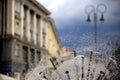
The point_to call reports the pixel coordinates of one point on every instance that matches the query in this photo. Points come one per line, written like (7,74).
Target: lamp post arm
(90,9)
(101,8)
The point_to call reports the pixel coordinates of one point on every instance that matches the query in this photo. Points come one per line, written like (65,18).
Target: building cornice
(41,7)
(25,43)
(54,30)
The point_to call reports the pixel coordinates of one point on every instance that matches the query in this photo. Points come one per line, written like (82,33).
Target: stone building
(54,47)
(25,36)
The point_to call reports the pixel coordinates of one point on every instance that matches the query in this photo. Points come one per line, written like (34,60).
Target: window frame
(17,6)
(17,50)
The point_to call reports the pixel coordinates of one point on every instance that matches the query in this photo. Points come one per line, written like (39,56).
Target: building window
(44,27)
(17,6)
(44,32)
(24,31)
(38,30)
(31,26)
(17,26)
(38,39)
(17,50)
(17,29)
(31,20)
(31,35)
(38,56)
(38,23)
(43,40)
(25,15)
(25,54)
(25,23)
(32,55)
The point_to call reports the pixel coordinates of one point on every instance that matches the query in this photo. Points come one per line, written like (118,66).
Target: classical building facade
(27,36)
(54,46)
(54,41)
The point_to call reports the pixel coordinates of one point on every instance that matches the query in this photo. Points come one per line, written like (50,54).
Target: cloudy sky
(74,31)
(65,11)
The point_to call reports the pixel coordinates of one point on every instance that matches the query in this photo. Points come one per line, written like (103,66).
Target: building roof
(41,7)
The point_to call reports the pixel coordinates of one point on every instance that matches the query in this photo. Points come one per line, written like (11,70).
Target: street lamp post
(90,9)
